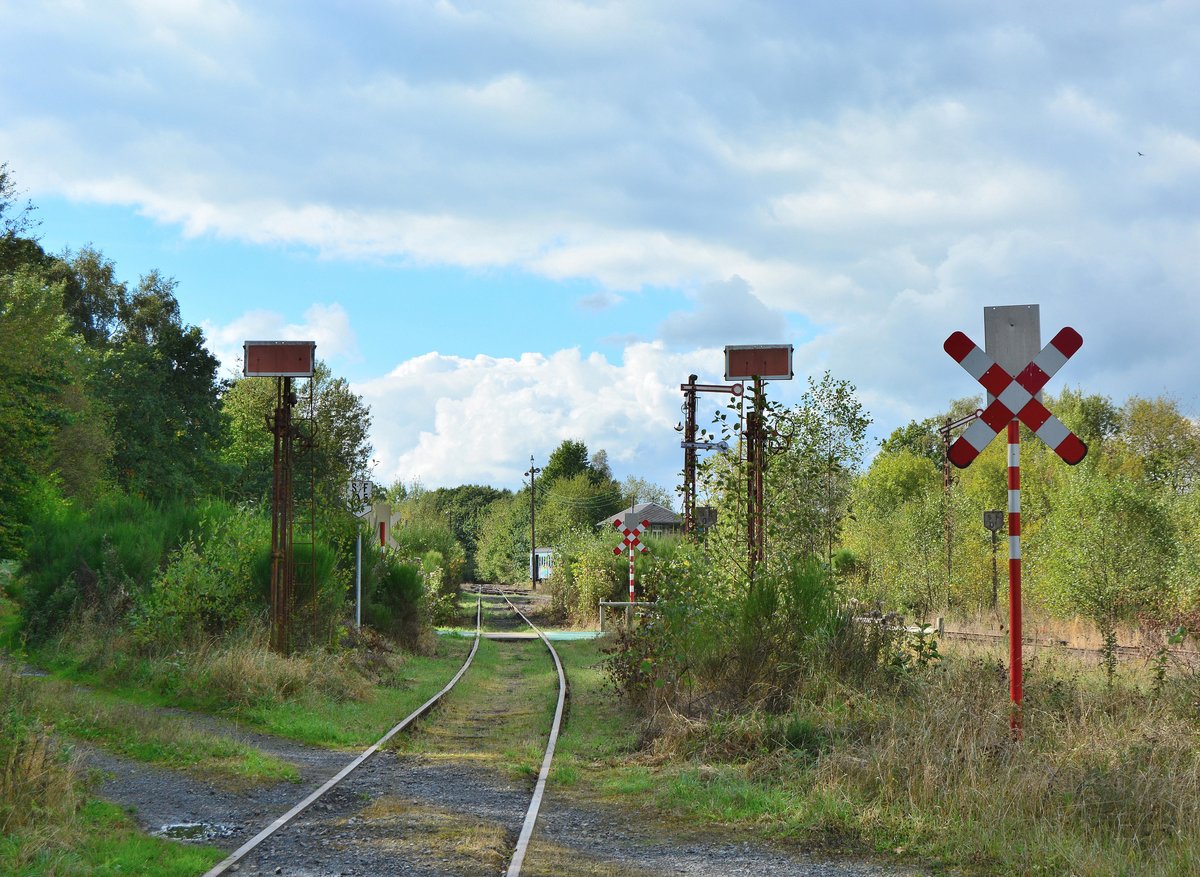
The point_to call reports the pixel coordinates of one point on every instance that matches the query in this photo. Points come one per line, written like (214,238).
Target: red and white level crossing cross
(631,541)
(1015,397)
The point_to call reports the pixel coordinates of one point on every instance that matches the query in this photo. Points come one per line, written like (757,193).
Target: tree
(463,509)
(567,460)
(36,349)
(1158,445)
(812,452)
(247,454)
(894,479)
(160,382)
(1107,552)
(574,505)
(503,550)
(16,220)
(93,297)
(635,489)
(828,431)
(340,422)
(343,427)
(919,438)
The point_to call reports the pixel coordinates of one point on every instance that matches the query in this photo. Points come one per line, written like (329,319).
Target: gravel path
(429,816)
(415,816)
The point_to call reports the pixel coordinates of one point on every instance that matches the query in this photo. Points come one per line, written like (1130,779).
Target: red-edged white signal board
(1015,397)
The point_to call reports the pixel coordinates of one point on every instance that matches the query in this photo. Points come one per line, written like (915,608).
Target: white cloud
(448,420)
(878,178)
(725,313)
(328,325)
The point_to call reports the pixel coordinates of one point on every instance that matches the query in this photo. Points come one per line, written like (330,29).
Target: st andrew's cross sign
(631,541)
(1015,397)
(1015,401)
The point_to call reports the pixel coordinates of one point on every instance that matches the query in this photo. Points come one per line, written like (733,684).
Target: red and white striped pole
(1014,574)
(632,598)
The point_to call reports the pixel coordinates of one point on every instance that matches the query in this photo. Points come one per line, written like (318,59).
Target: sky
(511,223)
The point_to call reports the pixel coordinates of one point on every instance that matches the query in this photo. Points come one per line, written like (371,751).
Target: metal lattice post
(689,458)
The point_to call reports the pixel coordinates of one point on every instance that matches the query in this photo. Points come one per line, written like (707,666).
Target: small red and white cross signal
(1015,397)
(631,540)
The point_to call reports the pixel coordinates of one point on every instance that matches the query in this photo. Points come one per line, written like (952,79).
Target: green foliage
(36,354)
(417,540)
(247,454)
(463,509)
(719,643)
(99,560)
(584,574)
(635,490)
(812,453)
(503,550)
(167,422)
(574,505)
(209,585)
(1157,445)
(1107,552)
(393,595)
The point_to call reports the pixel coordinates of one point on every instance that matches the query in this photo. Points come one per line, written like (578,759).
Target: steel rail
(249,846)
(531,815)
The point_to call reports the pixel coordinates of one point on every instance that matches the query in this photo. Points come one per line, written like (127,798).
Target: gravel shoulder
(428,817)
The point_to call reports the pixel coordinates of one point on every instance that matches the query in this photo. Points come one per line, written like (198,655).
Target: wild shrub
(415,540)
(394,596)
(714,645)
(208,586)
(586,571)
(97,559)
(321,590)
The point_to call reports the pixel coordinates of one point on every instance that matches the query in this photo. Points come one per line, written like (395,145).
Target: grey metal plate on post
(993,520)
(1012,335)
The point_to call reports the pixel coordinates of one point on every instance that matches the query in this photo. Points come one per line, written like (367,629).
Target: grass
(320,699)
(1105,782)
(100,841)
(499,714)
(324,721)
(48,827)
(105,720)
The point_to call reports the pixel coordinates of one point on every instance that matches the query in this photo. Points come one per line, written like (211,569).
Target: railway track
(313,801)
(1190,657)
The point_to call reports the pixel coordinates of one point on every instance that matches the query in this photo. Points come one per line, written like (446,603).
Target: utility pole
(533,560)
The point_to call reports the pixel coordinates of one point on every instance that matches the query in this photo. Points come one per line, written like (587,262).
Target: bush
(715,644)
(209,586)
(97,560)
(393,595)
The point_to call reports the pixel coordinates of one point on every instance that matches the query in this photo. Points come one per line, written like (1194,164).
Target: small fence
(628,605)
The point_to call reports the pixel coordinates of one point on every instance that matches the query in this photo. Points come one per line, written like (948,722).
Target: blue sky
(509,223)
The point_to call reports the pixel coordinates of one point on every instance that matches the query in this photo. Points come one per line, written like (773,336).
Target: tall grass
(39,781)
(1106,781)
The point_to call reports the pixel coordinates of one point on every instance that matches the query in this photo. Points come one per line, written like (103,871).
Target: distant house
(662,520)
